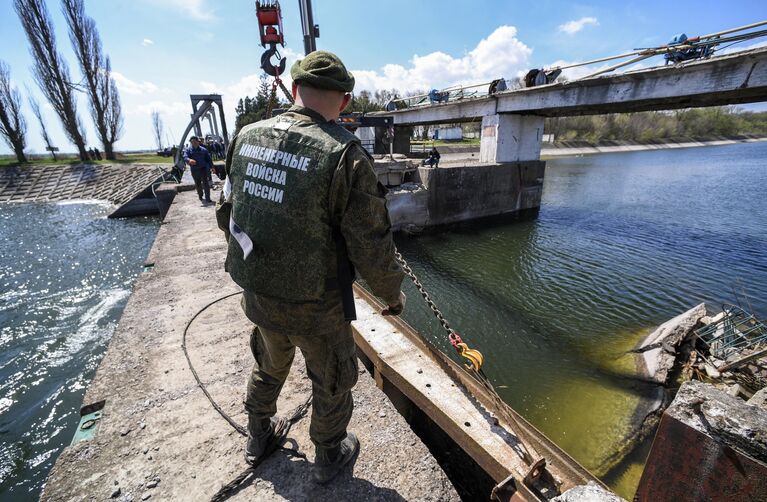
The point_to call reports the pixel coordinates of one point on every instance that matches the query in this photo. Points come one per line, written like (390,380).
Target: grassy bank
(69,159)
(442,142)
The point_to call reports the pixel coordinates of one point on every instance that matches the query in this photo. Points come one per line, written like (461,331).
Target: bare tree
(383,96)
(50,70)
(13,127)
(157,127)
(96,69)
(44,130)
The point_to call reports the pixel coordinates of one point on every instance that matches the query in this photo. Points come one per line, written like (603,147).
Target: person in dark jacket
(200,163)
(433,159)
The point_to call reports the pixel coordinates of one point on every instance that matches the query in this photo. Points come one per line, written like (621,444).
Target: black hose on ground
(248,475)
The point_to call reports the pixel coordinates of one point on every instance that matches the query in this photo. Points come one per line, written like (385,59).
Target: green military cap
(323,70)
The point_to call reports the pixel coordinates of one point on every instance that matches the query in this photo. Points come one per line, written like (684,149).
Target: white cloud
(128,86)
(573,27)
(195,9)
(147,42)
(501,54)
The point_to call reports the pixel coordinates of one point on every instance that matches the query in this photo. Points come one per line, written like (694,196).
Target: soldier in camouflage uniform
(300,207)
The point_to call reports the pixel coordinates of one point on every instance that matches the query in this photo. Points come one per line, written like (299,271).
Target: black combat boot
(329,463)
(264,436)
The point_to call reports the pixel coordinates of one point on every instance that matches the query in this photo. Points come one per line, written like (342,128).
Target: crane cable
(664,48)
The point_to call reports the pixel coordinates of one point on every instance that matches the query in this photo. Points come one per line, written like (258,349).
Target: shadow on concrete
(291,479)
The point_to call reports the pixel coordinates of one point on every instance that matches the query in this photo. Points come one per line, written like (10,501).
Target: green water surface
(622,243)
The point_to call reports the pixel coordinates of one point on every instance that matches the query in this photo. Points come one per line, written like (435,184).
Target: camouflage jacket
(357,207)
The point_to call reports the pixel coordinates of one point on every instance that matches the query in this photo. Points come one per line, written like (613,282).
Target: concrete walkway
(159,437)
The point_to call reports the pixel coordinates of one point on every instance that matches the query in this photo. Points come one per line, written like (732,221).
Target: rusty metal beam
(566,471)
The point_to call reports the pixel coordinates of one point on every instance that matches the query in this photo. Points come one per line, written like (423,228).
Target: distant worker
(302,210)
(433,159)
(200,164)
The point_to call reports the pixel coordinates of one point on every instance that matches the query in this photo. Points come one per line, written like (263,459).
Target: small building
(454,133)
(367,136)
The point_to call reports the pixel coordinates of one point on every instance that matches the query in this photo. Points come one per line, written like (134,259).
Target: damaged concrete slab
(453,194)
(657,353)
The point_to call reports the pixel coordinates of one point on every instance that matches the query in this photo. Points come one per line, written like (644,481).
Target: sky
(164,50)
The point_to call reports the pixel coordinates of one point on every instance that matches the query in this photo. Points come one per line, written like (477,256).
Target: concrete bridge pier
(510,137)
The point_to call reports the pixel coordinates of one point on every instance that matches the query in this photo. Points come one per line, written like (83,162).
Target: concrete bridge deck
(730,79)
(512,121)
(159,437)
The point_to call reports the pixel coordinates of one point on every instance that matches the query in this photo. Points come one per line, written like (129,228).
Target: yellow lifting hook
(474,356)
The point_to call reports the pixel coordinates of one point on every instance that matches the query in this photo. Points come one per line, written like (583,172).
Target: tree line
(52,75)
(653,126)
(251,110)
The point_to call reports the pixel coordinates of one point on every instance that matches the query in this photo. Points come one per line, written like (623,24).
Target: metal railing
(734,335)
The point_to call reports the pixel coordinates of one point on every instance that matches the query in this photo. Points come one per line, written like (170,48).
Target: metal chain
(270,104)
(285,91)
(526,451)
(273,96)
(437,313)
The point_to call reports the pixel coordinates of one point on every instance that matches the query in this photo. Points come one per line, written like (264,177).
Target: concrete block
(462,193)
(729,419)
(709,446)
(408,210)
(590,492)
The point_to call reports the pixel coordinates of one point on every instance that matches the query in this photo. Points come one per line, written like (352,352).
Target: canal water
(622,243)
(65,276)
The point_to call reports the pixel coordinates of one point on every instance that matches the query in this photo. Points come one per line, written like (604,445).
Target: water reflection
(65,276)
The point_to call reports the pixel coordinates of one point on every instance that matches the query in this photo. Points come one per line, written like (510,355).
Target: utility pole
(311,30)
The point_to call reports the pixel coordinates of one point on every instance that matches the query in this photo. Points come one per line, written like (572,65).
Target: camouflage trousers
(331,364)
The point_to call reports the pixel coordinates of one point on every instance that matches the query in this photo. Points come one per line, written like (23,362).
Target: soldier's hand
(398,308)
(192,162)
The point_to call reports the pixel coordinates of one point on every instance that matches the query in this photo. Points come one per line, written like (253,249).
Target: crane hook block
(268,67)
(269,18)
